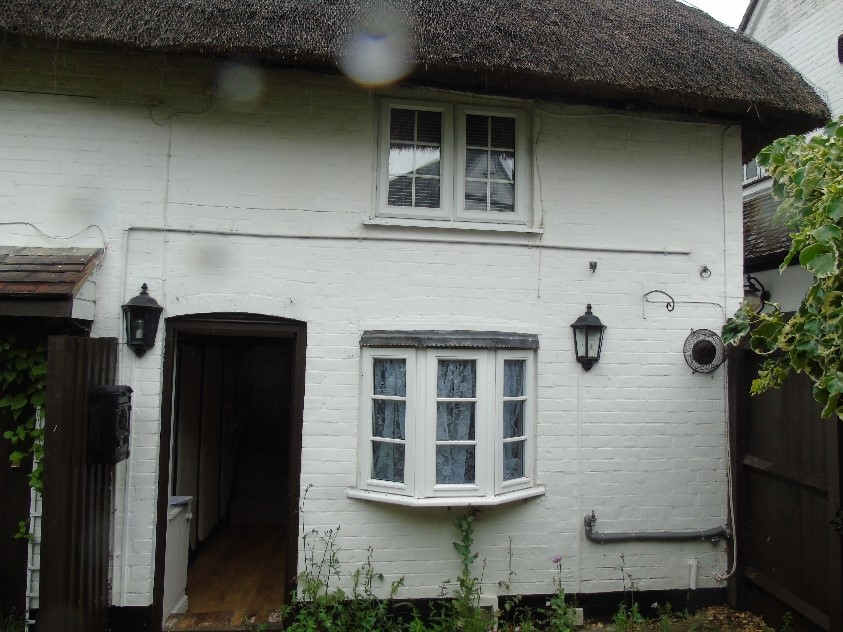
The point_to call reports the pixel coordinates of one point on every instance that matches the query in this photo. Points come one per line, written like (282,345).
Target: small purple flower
(556,559)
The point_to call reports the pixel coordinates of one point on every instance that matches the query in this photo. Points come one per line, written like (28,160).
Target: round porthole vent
(704,351)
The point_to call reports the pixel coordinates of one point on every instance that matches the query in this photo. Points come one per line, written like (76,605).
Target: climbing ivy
(23,384)
(808,179)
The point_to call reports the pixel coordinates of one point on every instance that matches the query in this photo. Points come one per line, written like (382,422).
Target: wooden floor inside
(237,580)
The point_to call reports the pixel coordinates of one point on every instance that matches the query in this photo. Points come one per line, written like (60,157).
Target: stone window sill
(382,222)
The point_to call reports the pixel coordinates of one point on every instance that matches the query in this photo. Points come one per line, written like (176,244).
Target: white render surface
(126,142)
(805,32)
(787,288)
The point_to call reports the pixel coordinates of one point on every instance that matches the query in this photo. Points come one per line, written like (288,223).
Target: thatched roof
(644,53)
(765,239)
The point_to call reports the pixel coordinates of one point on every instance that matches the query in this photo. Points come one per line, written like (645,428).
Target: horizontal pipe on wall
(432,240)
(714,534)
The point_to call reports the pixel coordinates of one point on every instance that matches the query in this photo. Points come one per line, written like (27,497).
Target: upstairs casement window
(454,163)
(447,426)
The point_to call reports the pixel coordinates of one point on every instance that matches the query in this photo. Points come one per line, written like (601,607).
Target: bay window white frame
(452,165)
(529,399)
(419,487)
(366,435)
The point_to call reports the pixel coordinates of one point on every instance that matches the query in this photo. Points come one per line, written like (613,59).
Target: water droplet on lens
(240,84)
(378,51)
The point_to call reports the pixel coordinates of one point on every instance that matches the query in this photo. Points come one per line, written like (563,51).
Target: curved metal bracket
(713,535)
(669,304)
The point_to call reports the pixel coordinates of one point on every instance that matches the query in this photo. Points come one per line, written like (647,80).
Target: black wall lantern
(141,315)
(588,338)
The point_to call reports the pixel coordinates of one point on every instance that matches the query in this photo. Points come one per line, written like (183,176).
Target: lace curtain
(388,419)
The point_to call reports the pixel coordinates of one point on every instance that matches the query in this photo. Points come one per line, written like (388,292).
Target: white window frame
(529,399)
(446,152)
(760,174)
(419,486)
(452,166)
(483,411)
(522,168)
(365,436)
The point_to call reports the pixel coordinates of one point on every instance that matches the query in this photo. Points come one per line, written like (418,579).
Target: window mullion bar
(390,398)
(456,399)
(514,439)
(388,440)
(415,146)
(515,398)
(489,164)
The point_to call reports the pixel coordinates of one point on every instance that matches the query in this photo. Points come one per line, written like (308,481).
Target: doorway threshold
(217,622)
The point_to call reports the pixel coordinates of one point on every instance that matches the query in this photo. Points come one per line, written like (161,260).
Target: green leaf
(835,207)
(827,233)
(819,260)
(18,401)
(735,328)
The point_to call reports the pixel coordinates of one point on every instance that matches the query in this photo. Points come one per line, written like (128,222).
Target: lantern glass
(594,336)
(137,329)
(580,341)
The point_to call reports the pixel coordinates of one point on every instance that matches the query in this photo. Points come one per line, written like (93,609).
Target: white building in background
(435,239)
(808,34)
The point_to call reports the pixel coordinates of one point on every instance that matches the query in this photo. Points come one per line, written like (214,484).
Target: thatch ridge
(653,53)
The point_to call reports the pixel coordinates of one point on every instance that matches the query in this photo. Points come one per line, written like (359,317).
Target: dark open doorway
(234,387)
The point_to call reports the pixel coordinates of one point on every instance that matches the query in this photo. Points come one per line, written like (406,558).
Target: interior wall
(233,399)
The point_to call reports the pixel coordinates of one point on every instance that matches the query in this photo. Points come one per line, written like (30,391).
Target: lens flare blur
(239,84)
(378,51)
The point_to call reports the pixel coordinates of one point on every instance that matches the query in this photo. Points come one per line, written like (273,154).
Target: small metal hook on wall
(669,304)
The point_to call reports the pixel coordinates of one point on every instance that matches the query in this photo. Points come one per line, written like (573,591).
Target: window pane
(388,418)
(390,377)
(751,170)
(388,461)
(475,195)
(513,419)
(513,378)
(427,160)
(455,421)
(477,130)
(513,460)
(430,127)
(476,163)
(427,192)
(400,159)
(401,124)
(456,378)
(400,191)
(503,165)
(593,342)
(454,464)
(503,197)
(503,132)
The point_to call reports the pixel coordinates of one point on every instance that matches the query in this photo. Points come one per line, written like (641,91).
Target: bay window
(447,425)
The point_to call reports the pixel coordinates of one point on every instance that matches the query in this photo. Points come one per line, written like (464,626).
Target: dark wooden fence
(787,485)
(74,591)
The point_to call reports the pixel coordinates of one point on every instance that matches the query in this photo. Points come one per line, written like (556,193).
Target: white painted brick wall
(805,33)
(639,439)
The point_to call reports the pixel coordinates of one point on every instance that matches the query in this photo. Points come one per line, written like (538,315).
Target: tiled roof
(765,240)
(44,272)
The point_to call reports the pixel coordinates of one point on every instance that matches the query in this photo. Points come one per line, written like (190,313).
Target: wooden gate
(787,483)
(77,495)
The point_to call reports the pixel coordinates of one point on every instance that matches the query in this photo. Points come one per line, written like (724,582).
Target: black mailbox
(109,412)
